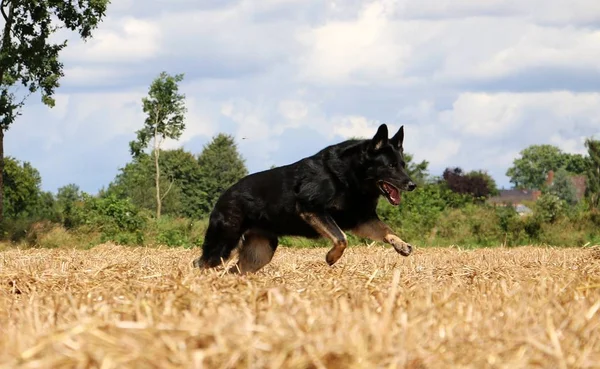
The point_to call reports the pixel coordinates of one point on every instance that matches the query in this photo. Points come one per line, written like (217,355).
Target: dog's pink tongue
(394,194)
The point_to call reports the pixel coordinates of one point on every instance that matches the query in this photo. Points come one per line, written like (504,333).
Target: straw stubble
(120,307)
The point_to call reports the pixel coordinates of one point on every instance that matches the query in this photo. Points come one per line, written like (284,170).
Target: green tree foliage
(221,166)
(562,187)
(417,171)
(183,170)
(593,172)
(576,163)
(46,207)
(30,58)
(165,109)
(531,168)
(180,183)
(22,189)
(68,199)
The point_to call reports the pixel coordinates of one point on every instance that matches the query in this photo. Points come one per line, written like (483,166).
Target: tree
(22,189)
(576,163)
(593,172)
(530,170)
(165,108)
(180,172)
(416,171)
(491,183)
(29,58)
(563,187)
(476,183)
(220,167)
(67,198)
(135,181)
(182,168)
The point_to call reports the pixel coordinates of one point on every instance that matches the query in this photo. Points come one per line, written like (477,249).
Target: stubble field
(120,307)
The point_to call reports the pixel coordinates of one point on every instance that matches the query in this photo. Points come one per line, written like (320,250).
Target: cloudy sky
(473,81)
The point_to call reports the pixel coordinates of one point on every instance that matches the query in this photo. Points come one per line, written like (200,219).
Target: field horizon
(123,307)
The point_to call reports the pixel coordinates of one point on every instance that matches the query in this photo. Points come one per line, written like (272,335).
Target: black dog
(319,196)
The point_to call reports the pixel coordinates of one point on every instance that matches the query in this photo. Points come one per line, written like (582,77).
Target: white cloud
(198,122)
(82,76)
(345,51)
(444,42)
(354,126)
(253,133)
(557,12)
(548,47)
(293,109)
(482,115)
(545,113)
(573,145)
(229,34)
(122,40)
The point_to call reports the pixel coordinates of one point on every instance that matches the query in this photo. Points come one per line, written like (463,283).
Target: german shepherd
(334,190)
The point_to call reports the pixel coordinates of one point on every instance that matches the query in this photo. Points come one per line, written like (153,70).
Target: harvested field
(119,307)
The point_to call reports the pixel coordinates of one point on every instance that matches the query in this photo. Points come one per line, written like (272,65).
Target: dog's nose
(411,186)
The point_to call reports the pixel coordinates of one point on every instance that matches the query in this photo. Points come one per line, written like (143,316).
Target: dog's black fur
(322,195)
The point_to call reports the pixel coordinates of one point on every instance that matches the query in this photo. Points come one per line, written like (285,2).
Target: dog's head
(387,166)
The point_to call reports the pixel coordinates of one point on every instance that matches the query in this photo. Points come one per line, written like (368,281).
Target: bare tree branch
(2,5)
(168,189)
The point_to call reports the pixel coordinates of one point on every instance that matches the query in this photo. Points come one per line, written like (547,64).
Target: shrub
(176,232)
(549,208)
(117,220)
(56,237)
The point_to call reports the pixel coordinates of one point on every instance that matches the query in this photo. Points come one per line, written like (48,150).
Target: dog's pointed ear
(380,138)
(398,139)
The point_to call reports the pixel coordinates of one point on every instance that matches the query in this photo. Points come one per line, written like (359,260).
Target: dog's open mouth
(390,191)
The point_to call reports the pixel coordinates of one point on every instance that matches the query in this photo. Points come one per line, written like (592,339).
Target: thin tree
(165,109)
(29,58)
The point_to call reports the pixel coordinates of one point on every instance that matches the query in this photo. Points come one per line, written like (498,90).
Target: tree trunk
(1,179)
(156,153)
(5,43)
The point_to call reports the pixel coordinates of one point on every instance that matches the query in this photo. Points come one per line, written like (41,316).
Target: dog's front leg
(326,227)
(377,230)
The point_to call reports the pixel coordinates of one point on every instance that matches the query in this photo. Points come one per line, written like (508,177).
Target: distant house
(579,182)
(516,197)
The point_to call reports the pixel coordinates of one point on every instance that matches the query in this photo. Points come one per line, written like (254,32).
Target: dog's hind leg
(222,237)
(256,251)
(377,230)
(326,227)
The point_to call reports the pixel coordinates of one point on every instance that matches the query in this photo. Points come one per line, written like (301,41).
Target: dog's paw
(198,263)
(400,246)
(334,255)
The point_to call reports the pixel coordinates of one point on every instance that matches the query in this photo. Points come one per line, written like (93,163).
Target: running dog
(323,195)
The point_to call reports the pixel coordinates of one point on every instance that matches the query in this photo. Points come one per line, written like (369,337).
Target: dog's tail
(222,237)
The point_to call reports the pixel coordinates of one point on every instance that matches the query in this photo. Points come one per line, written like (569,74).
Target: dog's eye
(392,165)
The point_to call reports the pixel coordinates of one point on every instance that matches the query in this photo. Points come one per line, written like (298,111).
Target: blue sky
(473,82)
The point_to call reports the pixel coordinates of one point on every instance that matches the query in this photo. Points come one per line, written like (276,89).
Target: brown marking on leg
(327,228)
(256,251)
(379,231)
